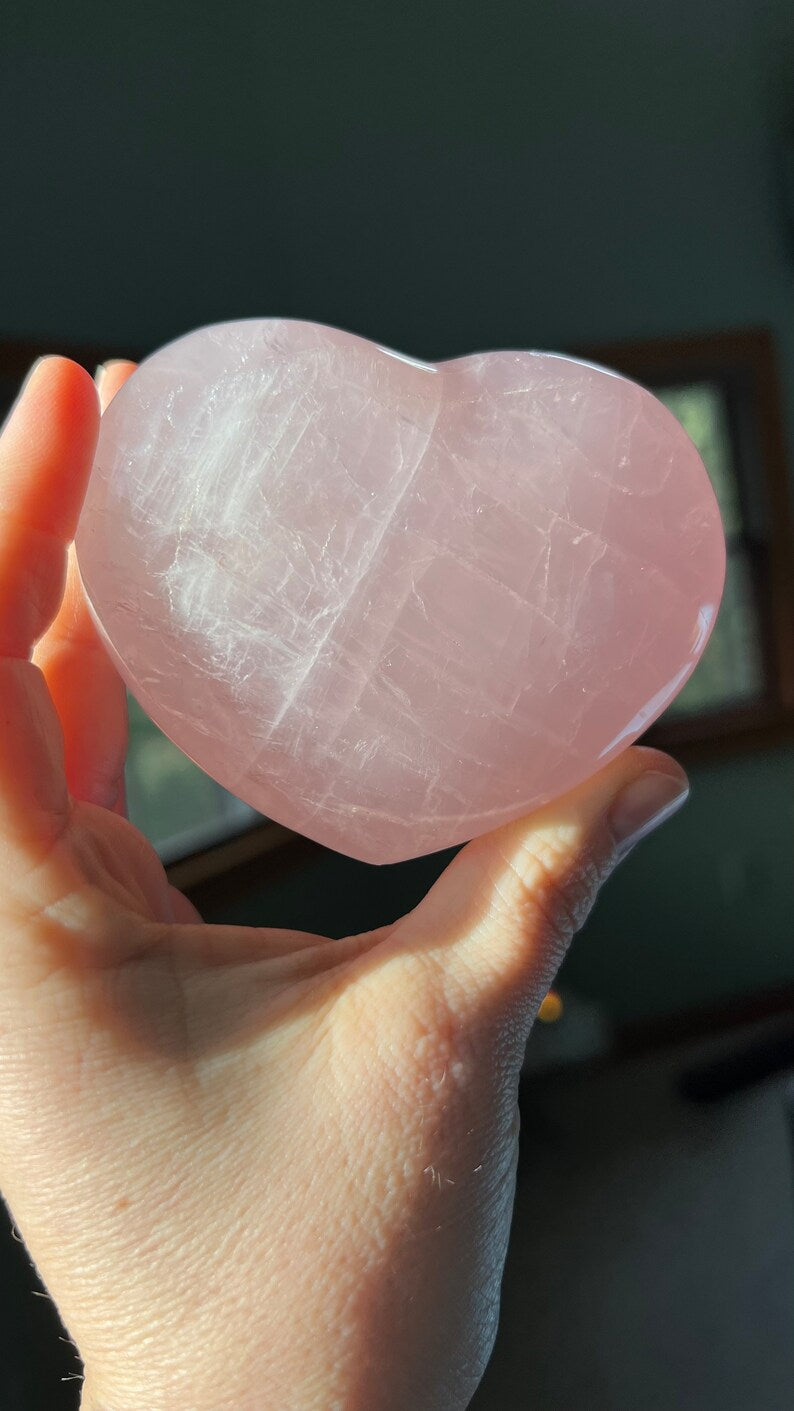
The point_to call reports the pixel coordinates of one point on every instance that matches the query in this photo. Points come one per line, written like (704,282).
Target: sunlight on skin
(219,1136)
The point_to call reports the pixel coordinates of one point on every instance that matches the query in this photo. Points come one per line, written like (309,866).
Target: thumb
(500,918)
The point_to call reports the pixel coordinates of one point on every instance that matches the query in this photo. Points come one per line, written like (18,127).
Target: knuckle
(555,890)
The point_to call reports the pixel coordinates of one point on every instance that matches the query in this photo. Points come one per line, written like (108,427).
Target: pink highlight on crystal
(389,604)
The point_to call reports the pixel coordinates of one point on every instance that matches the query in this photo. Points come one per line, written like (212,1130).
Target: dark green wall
(442,178)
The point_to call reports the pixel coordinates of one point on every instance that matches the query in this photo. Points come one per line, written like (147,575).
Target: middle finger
(88,692)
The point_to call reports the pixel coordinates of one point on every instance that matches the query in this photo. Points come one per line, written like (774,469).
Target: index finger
(46,451)
(47,448)
(88,693)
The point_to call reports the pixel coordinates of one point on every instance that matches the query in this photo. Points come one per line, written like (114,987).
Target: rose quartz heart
(389,604)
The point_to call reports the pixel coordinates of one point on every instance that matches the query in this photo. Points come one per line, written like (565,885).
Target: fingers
(111,376)
(183,909)
(500,918)
(46,452)
(88,693)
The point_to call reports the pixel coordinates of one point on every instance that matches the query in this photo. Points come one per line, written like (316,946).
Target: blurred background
(614,180)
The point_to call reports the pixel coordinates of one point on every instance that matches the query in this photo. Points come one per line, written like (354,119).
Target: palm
(140,1032)
(181,1061)
(196,1118)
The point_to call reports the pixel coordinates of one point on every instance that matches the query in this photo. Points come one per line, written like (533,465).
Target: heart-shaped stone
(393,605)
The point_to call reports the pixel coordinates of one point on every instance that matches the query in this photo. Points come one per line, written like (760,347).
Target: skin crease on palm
(255,1168)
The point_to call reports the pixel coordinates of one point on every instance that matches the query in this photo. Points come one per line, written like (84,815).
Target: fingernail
(643,805)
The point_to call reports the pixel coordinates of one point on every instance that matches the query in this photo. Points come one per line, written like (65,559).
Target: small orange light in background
(551,1009)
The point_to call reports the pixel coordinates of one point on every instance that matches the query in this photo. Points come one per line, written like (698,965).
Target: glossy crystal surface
(393,604)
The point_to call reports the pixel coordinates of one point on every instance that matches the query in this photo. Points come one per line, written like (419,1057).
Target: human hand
(255,1168)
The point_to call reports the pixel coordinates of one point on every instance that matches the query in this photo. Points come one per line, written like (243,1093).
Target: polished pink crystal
(392,604)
